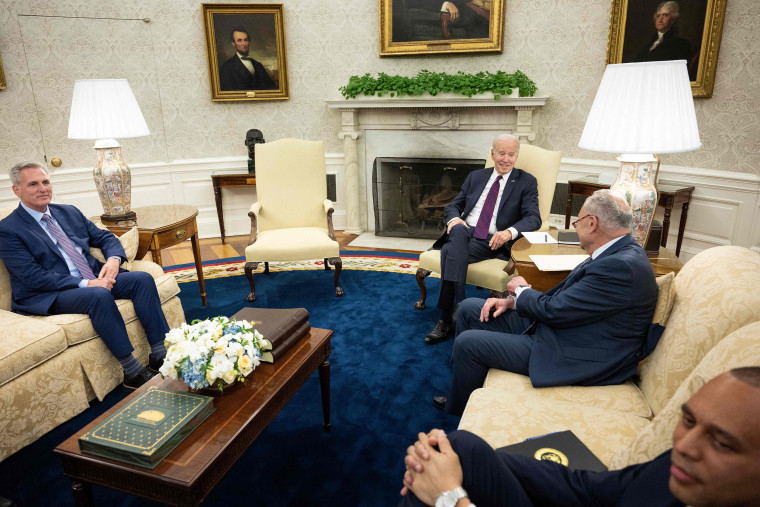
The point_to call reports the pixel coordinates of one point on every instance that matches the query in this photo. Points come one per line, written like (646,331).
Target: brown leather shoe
(441,332)
(139,379)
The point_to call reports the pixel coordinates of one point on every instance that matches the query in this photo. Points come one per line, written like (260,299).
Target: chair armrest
(254,213)
(149,267)
(255,208)
(327,203)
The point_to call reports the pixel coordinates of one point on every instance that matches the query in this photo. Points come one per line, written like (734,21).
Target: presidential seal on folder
(148,428)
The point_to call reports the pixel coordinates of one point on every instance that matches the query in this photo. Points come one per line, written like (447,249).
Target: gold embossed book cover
(146,429)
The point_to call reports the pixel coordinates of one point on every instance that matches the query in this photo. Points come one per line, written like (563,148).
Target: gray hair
(610,208)
(672,7)
(505,137)
(15,173)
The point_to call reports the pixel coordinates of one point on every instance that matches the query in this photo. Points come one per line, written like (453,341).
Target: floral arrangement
(212,352)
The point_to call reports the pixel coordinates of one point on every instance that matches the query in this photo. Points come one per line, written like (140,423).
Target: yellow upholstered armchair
(292,218)
(494,274)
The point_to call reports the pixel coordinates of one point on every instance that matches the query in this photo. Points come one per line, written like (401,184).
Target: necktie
(484,222)
(77,258)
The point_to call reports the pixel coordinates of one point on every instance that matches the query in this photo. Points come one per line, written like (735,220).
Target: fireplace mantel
(442,113)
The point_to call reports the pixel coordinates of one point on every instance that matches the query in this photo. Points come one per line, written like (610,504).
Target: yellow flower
(244,362)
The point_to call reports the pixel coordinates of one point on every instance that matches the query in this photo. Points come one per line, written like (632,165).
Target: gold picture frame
(420,28)
(632,32)
(3,85)
(259,32)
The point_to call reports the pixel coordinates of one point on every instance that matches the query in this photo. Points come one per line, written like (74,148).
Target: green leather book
(146,429)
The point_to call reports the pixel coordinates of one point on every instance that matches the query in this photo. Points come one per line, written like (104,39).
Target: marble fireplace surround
(421,127)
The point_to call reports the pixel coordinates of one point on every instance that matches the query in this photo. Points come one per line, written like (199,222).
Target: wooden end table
(162,226)
(228,180)
(192,469)
(663,263)
(670,196)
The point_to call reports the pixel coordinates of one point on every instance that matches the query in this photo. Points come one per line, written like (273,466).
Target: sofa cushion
(26,343)
(78,327)
(666,295)
(624,398)
(503,418)
(488,273)
(293,244)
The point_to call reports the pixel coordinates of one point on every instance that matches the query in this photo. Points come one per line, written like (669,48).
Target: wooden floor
(234,246)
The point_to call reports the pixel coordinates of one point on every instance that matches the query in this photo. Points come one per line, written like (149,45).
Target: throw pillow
(665,298)
(130,240)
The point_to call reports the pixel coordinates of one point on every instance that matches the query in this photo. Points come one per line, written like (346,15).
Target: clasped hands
(107,276)
(493,307)
(497,240)
(431,471)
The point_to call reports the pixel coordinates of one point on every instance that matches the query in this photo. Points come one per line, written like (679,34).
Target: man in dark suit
(591,329)
(715,461)
(666,44)
(46,249)
(241,72)
(488,214)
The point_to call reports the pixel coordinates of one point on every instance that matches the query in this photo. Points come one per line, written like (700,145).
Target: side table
(670,196)
(228,180)
(162,226)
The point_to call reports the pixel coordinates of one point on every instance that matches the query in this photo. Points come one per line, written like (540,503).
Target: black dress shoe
(139,379)
(442,331)
(154,364)
(439,402)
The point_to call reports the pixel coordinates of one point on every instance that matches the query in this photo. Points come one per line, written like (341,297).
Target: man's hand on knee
(456,221)
(102,282)
(496,306)
(499,238)
(110,269)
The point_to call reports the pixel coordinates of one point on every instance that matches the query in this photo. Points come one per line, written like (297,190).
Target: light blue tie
(76,257)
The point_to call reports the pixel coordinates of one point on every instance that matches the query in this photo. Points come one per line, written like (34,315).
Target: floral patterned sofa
(52,367)
(713,326)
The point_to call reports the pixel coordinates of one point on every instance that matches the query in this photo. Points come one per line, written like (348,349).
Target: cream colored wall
(561,44)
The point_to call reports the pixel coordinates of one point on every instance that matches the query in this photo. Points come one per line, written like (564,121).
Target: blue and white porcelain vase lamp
(641,109)
(104,109)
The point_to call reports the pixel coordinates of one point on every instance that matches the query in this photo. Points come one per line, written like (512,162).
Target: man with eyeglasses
(591,329)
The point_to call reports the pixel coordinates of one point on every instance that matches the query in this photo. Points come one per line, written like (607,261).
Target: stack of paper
(538,238)
(557,262)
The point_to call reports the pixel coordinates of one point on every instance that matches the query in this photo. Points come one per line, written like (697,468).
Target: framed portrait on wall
(3,86)
(418,27)
(652,30)
(245,46)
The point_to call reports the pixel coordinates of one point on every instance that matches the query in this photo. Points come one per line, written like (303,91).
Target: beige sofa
(51,367)
(714,325)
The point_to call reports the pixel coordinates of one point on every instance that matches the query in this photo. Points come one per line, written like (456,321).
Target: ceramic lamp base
(636,182)
(113,179)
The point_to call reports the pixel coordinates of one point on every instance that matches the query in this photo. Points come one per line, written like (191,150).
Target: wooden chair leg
(338,263)
(327,265)
(421,275)
(250,267)
(266,268)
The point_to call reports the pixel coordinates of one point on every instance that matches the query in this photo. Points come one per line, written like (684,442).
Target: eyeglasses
(575,224)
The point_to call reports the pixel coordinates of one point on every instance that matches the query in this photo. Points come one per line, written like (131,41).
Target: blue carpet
(382,380)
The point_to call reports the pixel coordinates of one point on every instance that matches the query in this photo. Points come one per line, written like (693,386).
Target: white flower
(229,376)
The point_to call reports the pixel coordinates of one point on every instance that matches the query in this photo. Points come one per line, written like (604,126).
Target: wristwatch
(523,286)
(450,498)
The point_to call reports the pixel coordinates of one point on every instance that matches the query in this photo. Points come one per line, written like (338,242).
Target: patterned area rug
(394,262)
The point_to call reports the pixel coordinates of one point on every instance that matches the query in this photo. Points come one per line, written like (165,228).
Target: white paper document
(538,238)
(557,262)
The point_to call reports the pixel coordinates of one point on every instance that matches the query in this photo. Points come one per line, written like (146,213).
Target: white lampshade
(105,109)
(643,108)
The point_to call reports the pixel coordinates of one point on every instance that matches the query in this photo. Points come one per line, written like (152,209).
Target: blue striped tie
(484,222)
(76,257)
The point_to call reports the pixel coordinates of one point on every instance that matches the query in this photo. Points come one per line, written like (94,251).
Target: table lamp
(641,109)
(104,109)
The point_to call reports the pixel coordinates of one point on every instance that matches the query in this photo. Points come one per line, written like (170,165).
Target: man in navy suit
(241,72)
(46,249)
(488,214)
(591,329)
(715,461)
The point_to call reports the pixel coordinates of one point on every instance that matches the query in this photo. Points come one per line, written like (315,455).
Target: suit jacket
(672,47)
(548,483)
(592,328)
(235,76)
(518,207)
(36,266)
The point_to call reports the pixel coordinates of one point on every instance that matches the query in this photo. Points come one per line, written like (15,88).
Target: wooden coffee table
(191,470)
(663,263)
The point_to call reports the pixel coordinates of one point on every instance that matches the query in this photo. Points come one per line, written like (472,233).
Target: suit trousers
(486,475)
(100,305)
(480,346)
(460,250)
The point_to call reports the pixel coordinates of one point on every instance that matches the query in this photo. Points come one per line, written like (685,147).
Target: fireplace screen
(409,194)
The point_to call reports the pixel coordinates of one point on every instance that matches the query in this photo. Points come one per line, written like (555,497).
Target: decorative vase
(113,181)
(636,182)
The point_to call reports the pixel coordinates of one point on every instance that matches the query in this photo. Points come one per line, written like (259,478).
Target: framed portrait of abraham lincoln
(418,27)
(654,30)
(245,46)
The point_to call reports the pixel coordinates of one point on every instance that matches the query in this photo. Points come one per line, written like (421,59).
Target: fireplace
(409,194)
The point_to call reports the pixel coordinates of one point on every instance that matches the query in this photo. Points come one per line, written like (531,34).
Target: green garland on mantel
(500,83)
